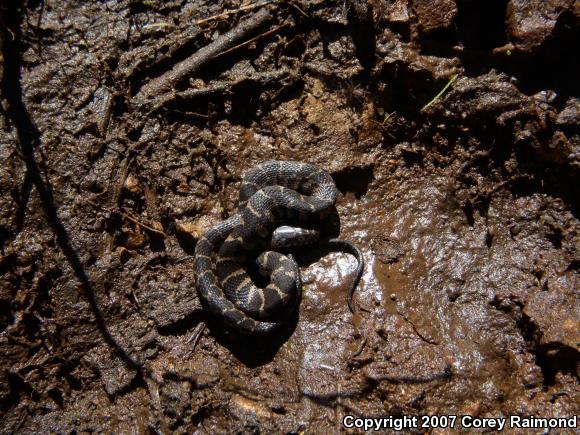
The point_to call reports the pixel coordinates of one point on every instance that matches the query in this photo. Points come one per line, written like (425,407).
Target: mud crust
(125,129)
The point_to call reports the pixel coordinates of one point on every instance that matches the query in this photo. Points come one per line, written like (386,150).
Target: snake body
(272,195)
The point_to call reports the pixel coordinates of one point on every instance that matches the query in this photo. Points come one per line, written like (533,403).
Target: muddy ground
(126,128)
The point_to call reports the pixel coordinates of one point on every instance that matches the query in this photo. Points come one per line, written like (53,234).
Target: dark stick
(167,82)
(218,87)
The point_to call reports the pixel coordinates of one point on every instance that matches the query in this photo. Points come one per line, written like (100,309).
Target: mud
(465,206)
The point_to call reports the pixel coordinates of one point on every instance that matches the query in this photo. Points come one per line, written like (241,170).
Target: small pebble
(132,184)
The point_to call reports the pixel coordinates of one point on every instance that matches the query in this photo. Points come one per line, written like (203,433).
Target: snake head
(292,237)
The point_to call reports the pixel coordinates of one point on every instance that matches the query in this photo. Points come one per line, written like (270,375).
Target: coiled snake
(272,195)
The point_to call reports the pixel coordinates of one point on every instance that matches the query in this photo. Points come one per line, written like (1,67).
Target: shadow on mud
(253,351)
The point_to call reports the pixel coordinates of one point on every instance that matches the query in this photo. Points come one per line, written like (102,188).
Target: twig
(119,186)
(103,123)
(360,349)
(291,3)
(254,39)
(194,337)
(127,216)
(188,94)
(228,13)
(141,224)
(436,97)
(155,26)
(216,87)
(168,81)
(421,336)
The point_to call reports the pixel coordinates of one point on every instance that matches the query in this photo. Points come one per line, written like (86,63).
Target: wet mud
(126,129)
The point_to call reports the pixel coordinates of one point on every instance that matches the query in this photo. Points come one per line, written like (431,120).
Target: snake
(280,204)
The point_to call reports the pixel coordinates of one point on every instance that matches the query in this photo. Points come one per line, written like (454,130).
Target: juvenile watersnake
(272,196)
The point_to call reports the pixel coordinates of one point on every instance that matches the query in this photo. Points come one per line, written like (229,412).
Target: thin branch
(254,39)
(228,13)
(168,81)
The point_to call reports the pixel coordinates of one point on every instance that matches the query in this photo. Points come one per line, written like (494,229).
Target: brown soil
(126,128)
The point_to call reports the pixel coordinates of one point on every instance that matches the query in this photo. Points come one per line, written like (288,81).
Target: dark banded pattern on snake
(272,194)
